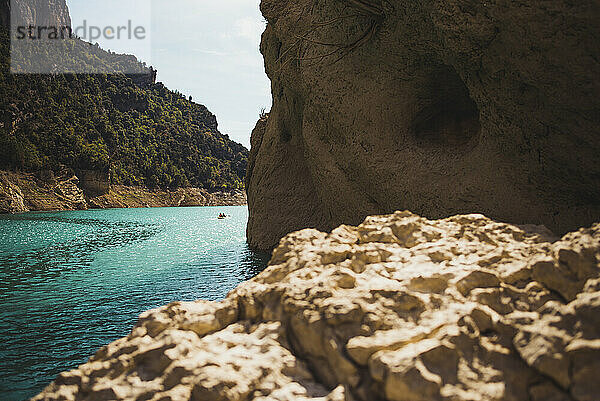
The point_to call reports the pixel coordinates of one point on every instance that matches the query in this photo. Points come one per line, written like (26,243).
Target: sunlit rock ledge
(398,308)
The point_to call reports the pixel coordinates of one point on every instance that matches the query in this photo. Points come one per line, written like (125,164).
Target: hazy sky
(206,49)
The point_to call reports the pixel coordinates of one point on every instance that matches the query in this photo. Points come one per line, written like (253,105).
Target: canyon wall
(400,308)
(439,107)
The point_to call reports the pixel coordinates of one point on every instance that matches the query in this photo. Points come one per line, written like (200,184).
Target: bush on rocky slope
(138,133)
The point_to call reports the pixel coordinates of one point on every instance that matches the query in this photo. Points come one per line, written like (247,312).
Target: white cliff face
(398,308)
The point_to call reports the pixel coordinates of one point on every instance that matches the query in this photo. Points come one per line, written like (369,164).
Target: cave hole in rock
(447,115)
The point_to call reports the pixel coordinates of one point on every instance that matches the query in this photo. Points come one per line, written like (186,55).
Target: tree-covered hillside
(143,133)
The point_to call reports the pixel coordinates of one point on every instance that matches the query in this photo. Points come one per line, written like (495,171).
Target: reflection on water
(71,282)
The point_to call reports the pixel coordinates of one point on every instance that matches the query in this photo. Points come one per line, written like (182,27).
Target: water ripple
(71,282)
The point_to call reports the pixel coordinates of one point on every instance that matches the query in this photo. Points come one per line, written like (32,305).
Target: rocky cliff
(23,192)
(399,308)
(35,12)
(440,107)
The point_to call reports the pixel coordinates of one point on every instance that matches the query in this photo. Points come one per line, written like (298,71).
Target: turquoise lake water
(71,282)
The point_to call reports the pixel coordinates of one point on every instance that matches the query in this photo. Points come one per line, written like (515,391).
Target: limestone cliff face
(440,107)
(24,192)
(94,182)
(35,12)
(11,196)
(399,308)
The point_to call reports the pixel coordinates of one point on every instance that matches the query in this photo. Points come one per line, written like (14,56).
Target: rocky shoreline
(399,308)
(24,192)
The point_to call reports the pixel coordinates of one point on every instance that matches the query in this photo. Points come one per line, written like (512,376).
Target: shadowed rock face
(440,107)
(399,308)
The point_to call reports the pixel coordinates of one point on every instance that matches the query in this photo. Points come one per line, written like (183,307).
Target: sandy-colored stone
(399,308)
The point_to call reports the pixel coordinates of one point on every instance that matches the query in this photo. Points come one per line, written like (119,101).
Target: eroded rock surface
(11,196)
(439,107)
(399,308)
(23,192)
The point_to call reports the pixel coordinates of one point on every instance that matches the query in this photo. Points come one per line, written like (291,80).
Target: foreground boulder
(399,308)
(439,107)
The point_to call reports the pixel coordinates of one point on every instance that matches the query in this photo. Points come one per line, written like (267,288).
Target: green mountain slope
(139,131)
